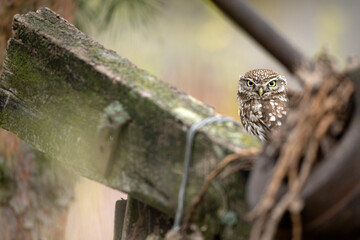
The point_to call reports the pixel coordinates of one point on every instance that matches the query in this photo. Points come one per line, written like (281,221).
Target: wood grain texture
(56,83)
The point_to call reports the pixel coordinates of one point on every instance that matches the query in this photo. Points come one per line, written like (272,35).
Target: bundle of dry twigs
(316,122)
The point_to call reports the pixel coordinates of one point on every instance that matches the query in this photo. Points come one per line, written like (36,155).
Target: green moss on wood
(60,83)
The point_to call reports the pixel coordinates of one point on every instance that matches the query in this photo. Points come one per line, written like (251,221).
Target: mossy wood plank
(56,83)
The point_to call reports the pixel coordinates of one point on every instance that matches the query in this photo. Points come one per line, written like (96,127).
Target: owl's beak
(261,91)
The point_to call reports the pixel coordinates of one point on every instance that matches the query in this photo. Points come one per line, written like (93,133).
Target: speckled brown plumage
(262,101)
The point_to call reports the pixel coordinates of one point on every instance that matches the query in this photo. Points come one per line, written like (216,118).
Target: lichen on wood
(56,84)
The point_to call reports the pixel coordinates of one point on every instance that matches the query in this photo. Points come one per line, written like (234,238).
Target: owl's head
(261,84)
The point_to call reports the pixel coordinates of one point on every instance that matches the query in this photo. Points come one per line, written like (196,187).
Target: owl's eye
(250,83)
(272,84)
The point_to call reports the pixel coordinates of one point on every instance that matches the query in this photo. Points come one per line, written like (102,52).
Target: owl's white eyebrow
(246,79)
(272,79)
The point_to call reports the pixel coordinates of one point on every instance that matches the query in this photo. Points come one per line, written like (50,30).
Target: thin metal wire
(187,159)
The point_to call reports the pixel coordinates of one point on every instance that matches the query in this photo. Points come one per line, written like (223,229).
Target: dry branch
(246,157)
(310,133)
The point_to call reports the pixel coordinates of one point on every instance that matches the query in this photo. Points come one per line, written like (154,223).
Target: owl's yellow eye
(250,83)
(272,84)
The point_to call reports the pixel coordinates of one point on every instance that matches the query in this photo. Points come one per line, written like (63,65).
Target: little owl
(262,101)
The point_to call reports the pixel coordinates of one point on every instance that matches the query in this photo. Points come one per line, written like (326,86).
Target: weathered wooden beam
(91,109)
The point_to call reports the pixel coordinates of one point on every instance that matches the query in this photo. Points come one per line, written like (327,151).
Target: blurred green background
(192,46)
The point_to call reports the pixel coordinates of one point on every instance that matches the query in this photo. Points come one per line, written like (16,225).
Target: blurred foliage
(136,12)
(330,31)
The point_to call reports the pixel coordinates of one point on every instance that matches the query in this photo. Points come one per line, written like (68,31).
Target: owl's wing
(265,129)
